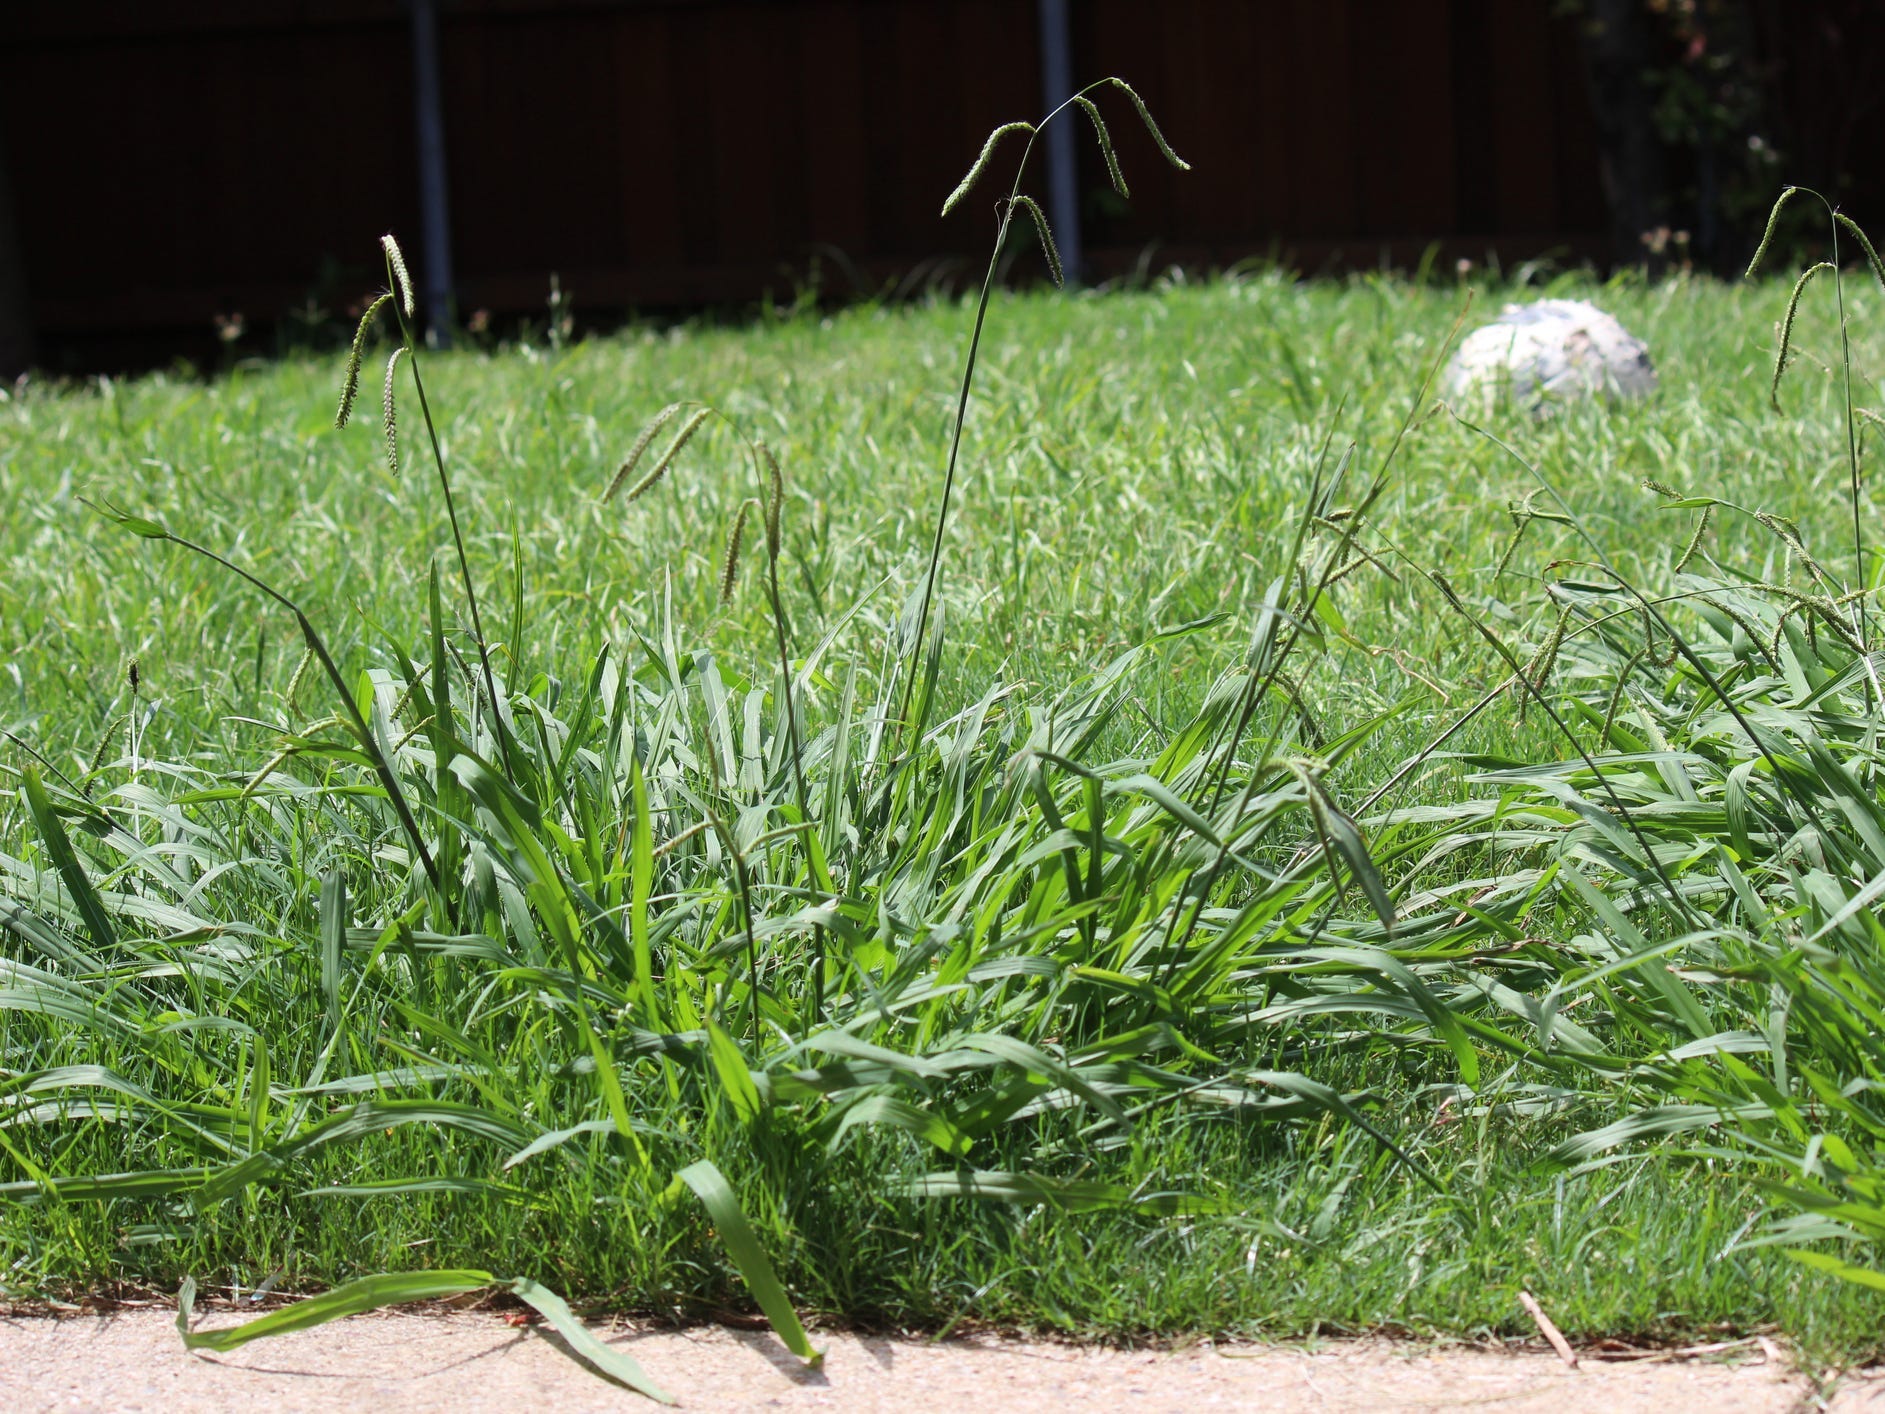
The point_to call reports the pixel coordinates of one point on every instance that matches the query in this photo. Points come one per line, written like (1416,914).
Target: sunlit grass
(830,1009)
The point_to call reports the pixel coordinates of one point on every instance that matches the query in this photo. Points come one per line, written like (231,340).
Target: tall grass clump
(676,948)
(1711,847)
(1388,929)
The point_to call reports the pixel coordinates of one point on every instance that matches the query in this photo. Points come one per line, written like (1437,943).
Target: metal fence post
(1063,178)
(435,229)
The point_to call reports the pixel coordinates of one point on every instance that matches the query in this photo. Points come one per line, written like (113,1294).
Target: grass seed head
(1695,539)
(775,499)
(350,386)
(636,452)
(105,740)
(1767,236)
(1871,255)
(389,412)
(1092,110)
(1511,547)
(1786,328)
(967,184)
(1041,229)
(300,672)
(401,280)
(1538,671)
(1145,116)
(730,562)
(660,468)
(1788,533)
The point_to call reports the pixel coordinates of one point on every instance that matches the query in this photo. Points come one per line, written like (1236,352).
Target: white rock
(1553,350)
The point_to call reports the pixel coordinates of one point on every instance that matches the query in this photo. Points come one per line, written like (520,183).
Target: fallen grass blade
(717,1195)
(607,1361)
(366,1294)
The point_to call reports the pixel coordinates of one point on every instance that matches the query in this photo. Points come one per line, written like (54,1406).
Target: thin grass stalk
(1536,692)
(775,509)
(1315,512)
(904,726)
(785,657)
(1648,606)
(317,646)
(1852,448)
(744,884)
(771,512)
(1351,528)
(1836,219)
(798,767)
(949,474)
(401,311)
(1254,691)
(1426,753)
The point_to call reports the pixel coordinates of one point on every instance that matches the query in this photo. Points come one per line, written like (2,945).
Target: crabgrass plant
(1711,854)
(477,932)
(673,973)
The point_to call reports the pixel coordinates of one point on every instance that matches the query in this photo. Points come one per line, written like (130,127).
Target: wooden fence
(173,160)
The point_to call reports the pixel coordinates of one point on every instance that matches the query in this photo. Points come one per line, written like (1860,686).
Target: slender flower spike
(775,499)
(350,386)
(1092,110)
(1145,116)
(1041,229)
(389,414)
(660,468)
(633,459)
(400,277)
(736,544)
(967,184)
(1767,236)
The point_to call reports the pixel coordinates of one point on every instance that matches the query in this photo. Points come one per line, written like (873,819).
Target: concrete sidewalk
(473,1361)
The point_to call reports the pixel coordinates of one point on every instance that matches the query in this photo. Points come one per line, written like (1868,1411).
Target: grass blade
(333,938)
(366,1294)
(717,1195)
(641,885)
(607,1361)
(65,859)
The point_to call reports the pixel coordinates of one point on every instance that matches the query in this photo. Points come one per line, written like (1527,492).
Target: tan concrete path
(474,1361)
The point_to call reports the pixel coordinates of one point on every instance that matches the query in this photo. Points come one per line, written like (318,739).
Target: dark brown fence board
(179,158)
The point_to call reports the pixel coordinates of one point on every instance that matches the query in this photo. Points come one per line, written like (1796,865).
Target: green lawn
(1004,953)
(1131,463)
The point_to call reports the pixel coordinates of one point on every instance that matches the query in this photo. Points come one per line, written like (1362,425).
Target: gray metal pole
(435,227)
(1063,181)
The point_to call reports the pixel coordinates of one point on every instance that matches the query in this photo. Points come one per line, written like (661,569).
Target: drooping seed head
(1092,110)
(1767,236)
(1690,550)
(1145,116)
(1786,328)
(93,766)
(1788,533)
(389,412)
(1041,229)
(967,184)
(350,386)
(300,672)
(660,468)
(635,453)
(401,280)
(1865,244)
(730,563)
(775,498)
